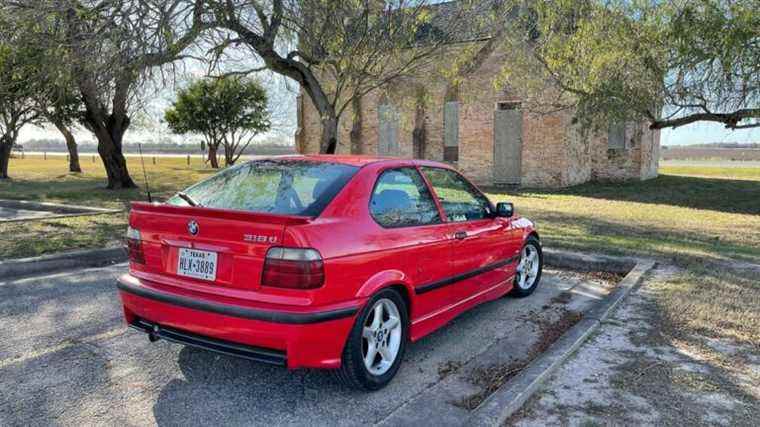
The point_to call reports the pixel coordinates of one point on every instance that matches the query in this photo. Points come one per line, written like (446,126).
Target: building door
(388,122)
(507,143)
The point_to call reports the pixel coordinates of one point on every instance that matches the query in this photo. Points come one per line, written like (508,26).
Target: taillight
(134,246)
(293,268)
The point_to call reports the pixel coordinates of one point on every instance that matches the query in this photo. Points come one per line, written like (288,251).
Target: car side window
(460,200)
(401,199)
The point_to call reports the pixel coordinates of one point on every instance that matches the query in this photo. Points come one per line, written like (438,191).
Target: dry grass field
(713,153)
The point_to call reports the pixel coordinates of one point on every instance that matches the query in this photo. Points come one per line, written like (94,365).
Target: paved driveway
(67,358)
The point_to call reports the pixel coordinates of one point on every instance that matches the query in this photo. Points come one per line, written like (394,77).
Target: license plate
(197,264)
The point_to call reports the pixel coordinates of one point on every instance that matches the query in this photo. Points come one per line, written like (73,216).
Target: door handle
(460,235)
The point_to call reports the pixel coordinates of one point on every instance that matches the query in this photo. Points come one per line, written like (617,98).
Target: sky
(695,133)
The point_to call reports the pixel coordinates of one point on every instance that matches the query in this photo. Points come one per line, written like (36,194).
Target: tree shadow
(715,194)
(619,238)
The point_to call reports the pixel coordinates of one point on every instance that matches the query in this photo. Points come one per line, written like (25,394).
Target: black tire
(352,371)
(519,292)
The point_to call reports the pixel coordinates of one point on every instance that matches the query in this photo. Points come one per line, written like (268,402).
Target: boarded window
(616,136)
(388,122)
(451,131)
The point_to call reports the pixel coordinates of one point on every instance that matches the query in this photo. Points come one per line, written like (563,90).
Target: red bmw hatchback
(322,261)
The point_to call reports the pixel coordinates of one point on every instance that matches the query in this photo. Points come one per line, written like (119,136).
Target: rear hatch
(218,231)
(207,246)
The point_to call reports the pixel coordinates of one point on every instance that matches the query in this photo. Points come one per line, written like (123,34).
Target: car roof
(355,160)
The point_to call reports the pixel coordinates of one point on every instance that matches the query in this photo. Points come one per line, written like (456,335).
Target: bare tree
(338,51)
(112,48)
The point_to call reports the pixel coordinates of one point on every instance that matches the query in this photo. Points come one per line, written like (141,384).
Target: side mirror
(505,209)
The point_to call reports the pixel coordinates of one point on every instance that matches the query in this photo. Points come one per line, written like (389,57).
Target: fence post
(188,160)
(93,159)
(44,155)
(154,160)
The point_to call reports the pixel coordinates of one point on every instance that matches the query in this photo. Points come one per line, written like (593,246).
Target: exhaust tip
(153,335)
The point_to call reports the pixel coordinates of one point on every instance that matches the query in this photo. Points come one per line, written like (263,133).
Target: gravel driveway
(66,357)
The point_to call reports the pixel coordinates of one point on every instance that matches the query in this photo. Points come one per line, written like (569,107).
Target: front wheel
(529,269)
(376,343)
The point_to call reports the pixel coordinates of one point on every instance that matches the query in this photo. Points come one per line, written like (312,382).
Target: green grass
(34,178)
(670,217)
(723,172)
(678,215)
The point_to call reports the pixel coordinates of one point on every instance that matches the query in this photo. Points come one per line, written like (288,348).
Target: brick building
(486,133)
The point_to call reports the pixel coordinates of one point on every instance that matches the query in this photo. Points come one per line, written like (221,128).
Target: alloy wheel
(381,337)
(527,270)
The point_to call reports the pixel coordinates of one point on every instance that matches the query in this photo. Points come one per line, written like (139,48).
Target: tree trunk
(229,155)
(71,145)
(357,144)
(329,142)
(116,167)
(6,146)
(419,135)
(212,155)
(110,133)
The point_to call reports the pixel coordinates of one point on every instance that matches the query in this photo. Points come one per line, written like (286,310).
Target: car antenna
(145,174)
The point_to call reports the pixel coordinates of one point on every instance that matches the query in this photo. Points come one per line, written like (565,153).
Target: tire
(522,288)
(354,371)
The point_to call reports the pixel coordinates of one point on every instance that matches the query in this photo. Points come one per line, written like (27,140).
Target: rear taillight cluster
(293,268)
(134,246)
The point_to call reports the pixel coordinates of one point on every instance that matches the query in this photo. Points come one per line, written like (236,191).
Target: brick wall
(638,160)
(555,152)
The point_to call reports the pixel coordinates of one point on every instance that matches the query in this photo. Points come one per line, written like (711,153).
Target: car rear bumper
(299,338)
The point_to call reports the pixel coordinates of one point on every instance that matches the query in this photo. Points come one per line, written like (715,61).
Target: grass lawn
(683,214)
(33,178)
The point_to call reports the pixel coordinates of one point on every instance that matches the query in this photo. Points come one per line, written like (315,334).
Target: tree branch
(731,120)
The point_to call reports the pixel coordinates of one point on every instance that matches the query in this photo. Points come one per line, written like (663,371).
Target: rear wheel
(529,269)
(376,343)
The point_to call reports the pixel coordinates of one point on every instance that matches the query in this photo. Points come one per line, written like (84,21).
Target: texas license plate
(197,264)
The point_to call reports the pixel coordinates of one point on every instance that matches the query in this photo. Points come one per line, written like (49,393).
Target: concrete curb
(512,395)
(60,261)
(589,262)
(58,210)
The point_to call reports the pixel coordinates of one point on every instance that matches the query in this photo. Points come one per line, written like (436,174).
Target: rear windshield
(293,187)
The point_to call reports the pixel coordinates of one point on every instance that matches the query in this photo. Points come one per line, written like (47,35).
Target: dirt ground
(639,369)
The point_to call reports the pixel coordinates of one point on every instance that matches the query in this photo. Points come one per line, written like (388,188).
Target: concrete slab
(23,210)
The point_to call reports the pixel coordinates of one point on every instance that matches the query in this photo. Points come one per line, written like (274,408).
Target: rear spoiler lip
(230,214)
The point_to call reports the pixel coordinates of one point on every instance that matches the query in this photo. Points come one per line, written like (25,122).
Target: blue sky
(706,132)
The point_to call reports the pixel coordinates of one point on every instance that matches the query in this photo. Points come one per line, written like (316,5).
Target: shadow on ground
(723,195)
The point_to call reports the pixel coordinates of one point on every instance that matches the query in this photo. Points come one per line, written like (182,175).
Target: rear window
(273,186)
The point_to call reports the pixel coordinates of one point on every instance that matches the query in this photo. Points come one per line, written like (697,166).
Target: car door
(403,205)
(483,246)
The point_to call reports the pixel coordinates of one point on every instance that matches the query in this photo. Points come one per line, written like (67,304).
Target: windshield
(293,187)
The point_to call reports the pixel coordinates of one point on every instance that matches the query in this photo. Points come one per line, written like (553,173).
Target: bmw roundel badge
(192,227)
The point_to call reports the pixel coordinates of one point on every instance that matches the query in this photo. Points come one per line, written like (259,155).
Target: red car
(322,261)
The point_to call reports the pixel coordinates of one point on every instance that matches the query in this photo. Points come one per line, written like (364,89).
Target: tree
(338,51)
(671,63)
(59,103)
(228,111)
(17,96)
(112,49)
(62,110)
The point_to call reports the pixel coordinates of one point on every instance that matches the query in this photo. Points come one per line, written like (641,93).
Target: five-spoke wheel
(377,342)
(529,269)
(381,337)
